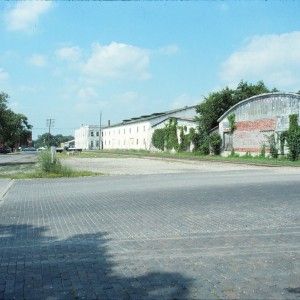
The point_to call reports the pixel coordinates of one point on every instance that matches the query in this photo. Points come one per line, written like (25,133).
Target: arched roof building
(256,118)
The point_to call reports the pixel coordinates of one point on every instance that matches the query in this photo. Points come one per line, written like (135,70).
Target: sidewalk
(5,184)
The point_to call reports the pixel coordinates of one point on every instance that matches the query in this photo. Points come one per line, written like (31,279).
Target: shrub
(158,138)
(272,146)
(215,142)
(49,164)
(263,151)
(282,139)
(293,138)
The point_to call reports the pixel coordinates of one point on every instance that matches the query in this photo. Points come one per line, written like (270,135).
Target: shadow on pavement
(35,265)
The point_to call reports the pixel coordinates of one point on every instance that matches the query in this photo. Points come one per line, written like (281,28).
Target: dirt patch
(136,166)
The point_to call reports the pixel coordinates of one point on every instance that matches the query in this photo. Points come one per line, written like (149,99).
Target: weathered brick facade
(250,135)
(257,118)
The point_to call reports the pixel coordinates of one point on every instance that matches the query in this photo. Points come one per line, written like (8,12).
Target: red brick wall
(249,136)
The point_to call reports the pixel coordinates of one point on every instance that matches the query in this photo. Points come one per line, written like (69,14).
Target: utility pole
(50,123)
(100,131)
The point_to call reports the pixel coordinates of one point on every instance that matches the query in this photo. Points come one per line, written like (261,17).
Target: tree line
(52,140)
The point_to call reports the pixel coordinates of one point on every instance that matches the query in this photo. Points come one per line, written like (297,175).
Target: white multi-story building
(87,137)
(136,133)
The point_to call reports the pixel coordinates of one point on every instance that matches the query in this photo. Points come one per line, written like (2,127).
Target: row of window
(113,131)
(131,142)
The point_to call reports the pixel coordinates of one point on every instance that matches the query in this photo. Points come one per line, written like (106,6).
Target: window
(144,128)
(137,129)
(124,130)
(129,130)
(97,143)
(92,133)
(92,144)
(137,141)
(97,133)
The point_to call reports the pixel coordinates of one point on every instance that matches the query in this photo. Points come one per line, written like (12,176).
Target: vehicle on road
(29,149)
(5,150)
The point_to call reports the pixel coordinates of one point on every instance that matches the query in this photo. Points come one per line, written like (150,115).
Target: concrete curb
(5,185)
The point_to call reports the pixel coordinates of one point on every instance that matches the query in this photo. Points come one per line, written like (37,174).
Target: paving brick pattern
(175,236)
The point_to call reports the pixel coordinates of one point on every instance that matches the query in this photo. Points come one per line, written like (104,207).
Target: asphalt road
(202,235)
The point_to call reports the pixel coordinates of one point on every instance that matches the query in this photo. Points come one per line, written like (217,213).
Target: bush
(215,142)
(263,151)
(293,138)
(53,165)
(158,138)
(204,148)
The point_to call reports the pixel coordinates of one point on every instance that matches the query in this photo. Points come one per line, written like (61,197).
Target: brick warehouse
(256,118)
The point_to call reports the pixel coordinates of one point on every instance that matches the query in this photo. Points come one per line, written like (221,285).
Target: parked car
(5,150)
(41,149)
(29,149)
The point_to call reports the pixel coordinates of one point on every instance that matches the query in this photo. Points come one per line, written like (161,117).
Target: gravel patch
(139,166)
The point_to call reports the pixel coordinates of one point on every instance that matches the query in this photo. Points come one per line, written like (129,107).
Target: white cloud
(169,49)
(69,53)
(3,75)
(24,15)
(38,60)
(86,94)
(275,59)
(117,60)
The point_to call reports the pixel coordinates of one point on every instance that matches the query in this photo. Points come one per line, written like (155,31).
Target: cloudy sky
(69,61)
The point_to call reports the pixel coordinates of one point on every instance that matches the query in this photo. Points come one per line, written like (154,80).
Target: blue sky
(70,60)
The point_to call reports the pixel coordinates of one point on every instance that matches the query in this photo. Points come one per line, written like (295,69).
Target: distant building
(256,119)
(136,133)
(87,137)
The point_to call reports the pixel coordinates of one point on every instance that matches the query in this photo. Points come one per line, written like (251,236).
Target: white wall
(87,137)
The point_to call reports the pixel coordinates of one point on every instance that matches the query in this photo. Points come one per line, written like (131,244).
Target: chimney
(108,124)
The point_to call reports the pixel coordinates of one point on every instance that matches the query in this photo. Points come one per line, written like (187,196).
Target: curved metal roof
(255,98)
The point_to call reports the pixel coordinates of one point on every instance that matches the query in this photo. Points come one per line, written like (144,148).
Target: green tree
(246,90)
(14,127)
(293,138)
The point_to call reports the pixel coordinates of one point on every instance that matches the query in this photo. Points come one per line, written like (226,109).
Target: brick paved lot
(174,236)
